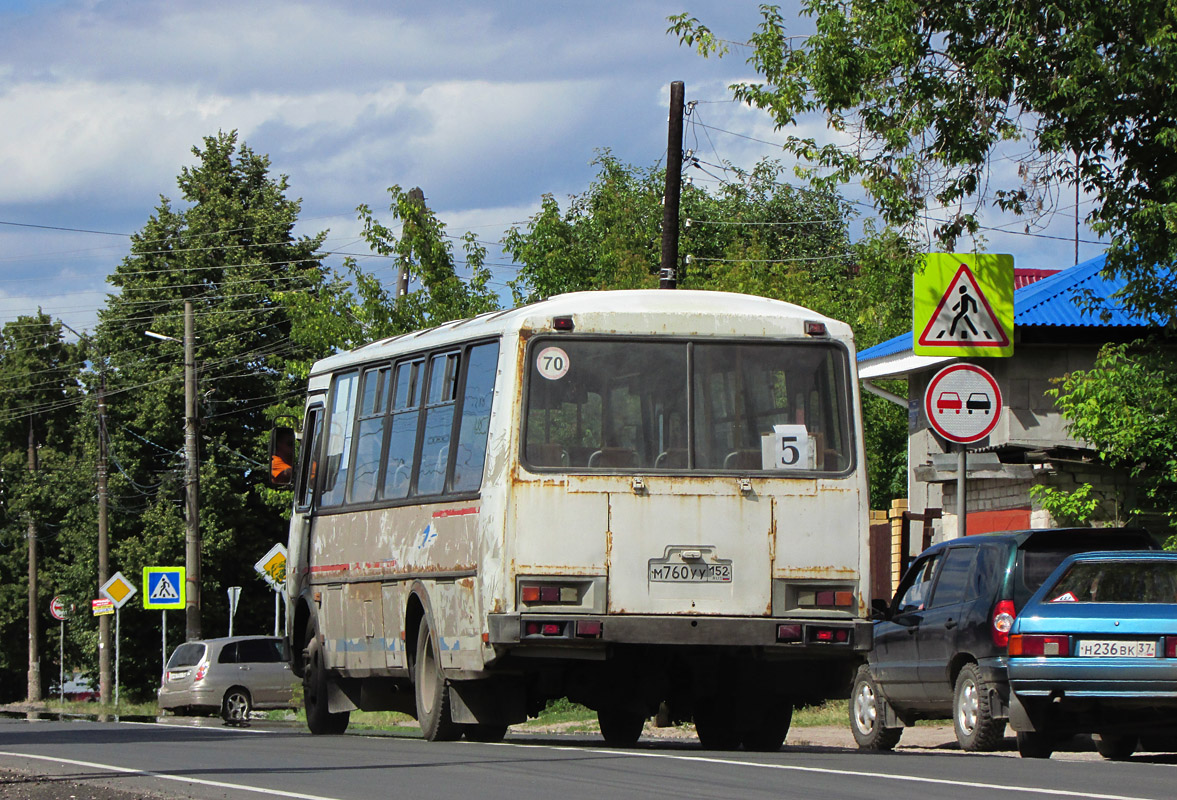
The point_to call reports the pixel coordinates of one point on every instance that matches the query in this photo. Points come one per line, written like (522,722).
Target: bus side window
(339,434)
(439,423)
(312,429)
(369,436)
(481,367)
(402,436)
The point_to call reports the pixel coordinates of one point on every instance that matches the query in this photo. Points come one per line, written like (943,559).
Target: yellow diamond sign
(272,567)
(118,589)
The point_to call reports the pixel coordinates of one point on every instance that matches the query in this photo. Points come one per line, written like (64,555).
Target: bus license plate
(690,573)
(1100,648)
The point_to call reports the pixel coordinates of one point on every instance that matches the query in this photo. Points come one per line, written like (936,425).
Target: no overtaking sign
(963,403)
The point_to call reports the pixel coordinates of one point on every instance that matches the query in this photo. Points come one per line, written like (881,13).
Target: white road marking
(148,773)
(996,787)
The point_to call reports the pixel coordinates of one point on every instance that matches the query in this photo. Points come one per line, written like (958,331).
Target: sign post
(163,588)
(234,596)
(118,590)
(272,567)
(963,404)
(60,608)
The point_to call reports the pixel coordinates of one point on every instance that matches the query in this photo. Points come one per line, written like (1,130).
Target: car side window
(228,654)
(953,582)
(986,572)
(260,651)
(916,589)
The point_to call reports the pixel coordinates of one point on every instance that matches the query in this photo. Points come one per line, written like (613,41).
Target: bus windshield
(639,404)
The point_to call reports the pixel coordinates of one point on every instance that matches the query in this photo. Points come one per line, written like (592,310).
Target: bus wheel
(621,727)
(433,699)
(484,733)
(314,690)
(767,734)
(716,728)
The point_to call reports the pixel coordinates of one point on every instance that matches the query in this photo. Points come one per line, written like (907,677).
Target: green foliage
(927,92)
(39,392)
(1069,508)
(1123,407)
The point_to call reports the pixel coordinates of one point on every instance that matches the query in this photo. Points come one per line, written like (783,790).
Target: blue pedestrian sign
(163,587)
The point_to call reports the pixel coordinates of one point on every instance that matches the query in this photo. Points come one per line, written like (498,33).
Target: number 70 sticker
(552,363)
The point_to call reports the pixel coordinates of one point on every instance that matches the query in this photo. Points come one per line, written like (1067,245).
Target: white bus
(648,502)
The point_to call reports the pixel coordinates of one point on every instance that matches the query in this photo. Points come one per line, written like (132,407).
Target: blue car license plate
(1102,648)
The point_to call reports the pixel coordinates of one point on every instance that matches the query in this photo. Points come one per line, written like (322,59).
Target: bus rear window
(655,405)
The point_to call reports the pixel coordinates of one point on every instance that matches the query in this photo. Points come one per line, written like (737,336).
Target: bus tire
(320,720)
(768,732)
(480,732)
(620,727)
(716,727)
(432,694)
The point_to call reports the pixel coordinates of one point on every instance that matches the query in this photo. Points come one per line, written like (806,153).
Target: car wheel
(484,733)
(866,715)
(976,728)
(1115,747)
(320,720)
(768,733)
(433,698)
(1035,744)
(621,727)
(236,706)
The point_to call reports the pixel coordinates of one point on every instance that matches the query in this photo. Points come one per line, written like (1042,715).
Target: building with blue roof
(1060,322)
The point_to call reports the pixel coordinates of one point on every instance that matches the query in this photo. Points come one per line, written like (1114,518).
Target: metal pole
(34,688)
(164,628)
(191,481)
(668,272)
(117,656)
(961,492)
(61,665)
(277,597)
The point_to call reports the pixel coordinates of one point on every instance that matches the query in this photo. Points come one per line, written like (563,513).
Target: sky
(486,106)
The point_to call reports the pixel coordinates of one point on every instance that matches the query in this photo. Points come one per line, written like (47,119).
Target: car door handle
(950,624)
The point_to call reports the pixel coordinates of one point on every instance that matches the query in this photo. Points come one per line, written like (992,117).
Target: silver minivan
(233,675)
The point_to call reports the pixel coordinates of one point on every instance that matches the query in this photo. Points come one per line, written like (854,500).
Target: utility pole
(191,481)
(34,628)
(668,272)
(103,545)
(417,198)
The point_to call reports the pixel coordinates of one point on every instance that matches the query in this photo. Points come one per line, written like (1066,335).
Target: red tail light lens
(1171,647)
(1003,619)
(788,632)
(1039,645)
(201,671)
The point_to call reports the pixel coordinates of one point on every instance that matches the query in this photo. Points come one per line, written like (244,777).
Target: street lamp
(191,477)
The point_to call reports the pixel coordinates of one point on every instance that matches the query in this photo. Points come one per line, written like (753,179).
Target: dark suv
(940,647)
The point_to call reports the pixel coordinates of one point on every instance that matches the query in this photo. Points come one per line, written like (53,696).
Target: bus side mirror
(281,457)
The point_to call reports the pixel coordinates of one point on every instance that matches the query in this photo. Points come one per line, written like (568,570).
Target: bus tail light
(589,629)
(548,594)
(815,328)
(1039,645)
(1003,619)
(790,632)
(831,598)
(824,635)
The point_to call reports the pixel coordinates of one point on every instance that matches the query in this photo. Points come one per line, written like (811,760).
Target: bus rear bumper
(780,636)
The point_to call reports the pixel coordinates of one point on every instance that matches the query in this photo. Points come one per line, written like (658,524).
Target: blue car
(1095,651)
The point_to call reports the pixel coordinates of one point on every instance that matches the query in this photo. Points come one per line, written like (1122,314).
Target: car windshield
(1116,582)
(187,655)
(640,404)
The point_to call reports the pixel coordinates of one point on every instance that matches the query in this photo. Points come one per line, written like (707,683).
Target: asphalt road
(283,762)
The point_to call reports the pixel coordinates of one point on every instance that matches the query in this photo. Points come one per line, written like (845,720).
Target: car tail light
(1039,645)
(1003,619)
(1171,647)
(201,671)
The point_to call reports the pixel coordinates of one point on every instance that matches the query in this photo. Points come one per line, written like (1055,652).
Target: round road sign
(963,403)
(58,608)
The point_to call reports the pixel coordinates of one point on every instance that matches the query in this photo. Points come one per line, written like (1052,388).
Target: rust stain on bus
(803,573)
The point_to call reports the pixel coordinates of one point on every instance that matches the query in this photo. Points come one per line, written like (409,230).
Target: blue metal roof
(1059,300)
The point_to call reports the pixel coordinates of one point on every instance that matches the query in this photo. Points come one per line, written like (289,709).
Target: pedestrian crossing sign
(963,305)
(163,587)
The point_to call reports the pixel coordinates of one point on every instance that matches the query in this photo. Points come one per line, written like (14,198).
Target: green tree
(230,250)
(929,92)
(754,235)
(39,393)
(1123,406)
